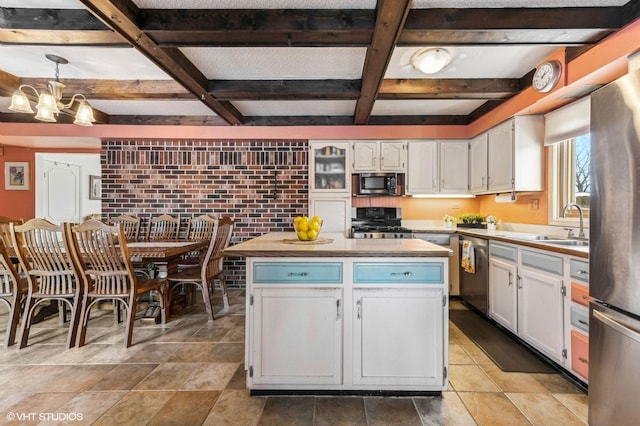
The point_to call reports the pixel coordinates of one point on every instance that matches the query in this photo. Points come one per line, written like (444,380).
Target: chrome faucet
(564,212)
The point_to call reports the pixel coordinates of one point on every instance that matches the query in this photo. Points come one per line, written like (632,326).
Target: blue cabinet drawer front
(579,270)
(407,273)
(504,252)
(291,272)
(580,318)
(545,262)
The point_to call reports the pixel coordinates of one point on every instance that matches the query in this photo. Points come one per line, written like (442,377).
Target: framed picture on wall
(95,187)
(16,176)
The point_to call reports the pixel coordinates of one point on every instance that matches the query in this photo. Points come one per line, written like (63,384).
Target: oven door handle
(476,247)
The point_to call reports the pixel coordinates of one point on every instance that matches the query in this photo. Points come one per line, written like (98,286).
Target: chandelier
(50,104)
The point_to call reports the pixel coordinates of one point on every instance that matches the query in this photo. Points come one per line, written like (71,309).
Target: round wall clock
(547,76)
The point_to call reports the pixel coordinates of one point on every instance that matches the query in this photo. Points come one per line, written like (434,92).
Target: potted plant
(472,220)
(491,222)
(449,220)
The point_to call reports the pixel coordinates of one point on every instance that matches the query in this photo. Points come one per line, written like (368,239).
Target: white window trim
(559,180)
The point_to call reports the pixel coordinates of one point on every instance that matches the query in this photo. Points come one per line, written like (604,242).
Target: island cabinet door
(398,337)
(297,336)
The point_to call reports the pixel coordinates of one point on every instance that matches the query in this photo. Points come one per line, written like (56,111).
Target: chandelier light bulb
(20,102)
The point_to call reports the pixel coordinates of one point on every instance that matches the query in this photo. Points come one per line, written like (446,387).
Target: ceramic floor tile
(79,377)
(236,407)
(236,334)
(167,376)
(513,382)
(555,383)
(124,377)
(471,378)
(36,378)
(544,409)
(192,352)
(135,408)
(457,355)
(85,408)
(210,375)
(280,411)
(186,408)
(154,352)
(492,409)
(226,352)
(578,404)
(387,411)
(209,334)
(445,410)
(332,411)
(27,411)
(478,355)
(8,398)
(239,379)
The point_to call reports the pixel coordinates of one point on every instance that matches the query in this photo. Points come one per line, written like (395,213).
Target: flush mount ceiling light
(51,103)
(430,60)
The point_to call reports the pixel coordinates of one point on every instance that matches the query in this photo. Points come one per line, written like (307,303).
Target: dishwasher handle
(475,246)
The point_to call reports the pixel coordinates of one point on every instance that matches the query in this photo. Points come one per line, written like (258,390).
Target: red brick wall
(220,177)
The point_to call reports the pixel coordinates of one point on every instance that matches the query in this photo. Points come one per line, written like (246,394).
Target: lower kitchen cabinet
(349,324)
(298,335)
(503,292)
(540,311)
(397,337)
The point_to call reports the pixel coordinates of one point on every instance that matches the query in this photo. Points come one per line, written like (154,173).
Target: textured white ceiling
(265,63)
(84,62)
(426,107)
(152,107)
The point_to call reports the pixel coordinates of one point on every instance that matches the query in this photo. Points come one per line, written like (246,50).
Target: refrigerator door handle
(620,328)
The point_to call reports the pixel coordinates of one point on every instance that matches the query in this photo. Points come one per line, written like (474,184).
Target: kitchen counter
(273,245)
(525,239)
(347,316)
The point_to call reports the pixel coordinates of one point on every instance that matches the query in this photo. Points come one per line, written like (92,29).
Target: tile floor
(191,373)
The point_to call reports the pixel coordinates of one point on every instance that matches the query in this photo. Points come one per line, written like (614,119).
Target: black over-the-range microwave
(384,184)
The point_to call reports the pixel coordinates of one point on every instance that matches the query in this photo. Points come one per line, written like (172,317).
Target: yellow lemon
(314,226)
(297,219)
(303,225)
(303,236)
(312,235)
(316,219)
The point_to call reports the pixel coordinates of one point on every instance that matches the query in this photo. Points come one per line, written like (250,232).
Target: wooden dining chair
(200,228)
(211,268)
(5,234)
(130,224)
(43,251)
(163,228)
(12,292)
(102,258)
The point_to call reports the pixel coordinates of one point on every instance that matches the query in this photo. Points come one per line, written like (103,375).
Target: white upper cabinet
(379,156)
(438,167)
(509,157)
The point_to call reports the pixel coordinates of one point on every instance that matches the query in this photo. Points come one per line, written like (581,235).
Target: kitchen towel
(467,261)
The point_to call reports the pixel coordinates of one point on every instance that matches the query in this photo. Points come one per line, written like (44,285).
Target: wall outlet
(533,205)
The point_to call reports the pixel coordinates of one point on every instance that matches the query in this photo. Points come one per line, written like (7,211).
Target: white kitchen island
(348,316)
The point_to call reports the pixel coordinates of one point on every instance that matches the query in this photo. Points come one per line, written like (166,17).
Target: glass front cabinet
(329,167)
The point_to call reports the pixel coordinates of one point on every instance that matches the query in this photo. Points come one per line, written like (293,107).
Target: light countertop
(284,244)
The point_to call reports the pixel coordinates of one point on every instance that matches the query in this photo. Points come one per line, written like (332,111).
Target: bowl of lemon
(307,229)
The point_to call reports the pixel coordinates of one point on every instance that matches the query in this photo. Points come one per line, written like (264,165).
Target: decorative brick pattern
(219,177)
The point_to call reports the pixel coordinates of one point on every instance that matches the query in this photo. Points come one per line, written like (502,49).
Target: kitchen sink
(574,243)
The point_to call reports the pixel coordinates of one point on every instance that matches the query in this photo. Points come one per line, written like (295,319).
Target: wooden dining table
(164,256)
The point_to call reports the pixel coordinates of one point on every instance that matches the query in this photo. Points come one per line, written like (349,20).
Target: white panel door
(61,191)
(503,297)
(398,335)
(298,336)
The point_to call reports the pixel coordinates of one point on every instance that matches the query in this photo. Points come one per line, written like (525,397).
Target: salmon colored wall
(22,204)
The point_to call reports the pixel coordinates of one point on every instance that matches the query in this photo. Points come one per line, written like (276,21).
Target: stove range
(378,222)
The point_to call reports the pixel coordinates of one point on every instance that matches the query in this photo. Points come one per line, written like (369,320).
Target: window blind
(568,122)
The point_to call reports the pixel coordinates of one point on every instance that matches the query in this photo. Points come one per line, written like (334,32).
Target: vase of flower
(491,223)
(449,221)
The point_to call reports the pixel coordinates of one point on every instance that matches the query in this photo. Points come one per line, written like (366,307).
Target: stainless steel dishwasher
(474,287)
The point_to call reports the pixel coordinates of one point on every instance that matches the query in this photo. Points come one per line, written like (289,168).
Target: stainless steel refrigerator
(614,258)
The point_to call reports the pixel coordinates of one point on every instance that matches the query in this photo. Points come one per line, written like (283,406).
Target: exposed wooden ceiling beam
(484,88)
(284,89)
(122,16)
(390,18)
